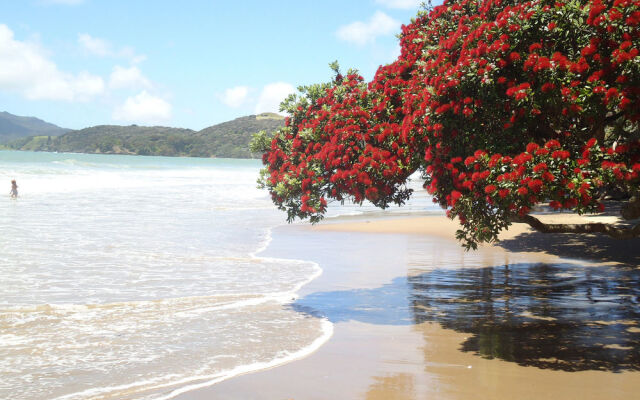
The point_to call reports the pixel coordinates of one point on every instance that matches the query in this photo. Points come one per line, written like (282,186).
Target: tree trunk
(632,209)
(613,231)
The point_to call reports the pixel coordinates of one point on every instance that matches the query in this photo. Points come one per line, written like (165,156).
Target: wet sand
(417,317)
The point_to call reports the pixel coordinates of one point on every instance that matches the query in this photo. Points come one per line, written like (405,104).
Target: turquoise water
(131,277)
(138,277)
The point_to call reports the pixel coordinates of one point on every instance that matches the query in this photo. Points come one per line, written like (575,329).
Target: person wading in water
(14,189)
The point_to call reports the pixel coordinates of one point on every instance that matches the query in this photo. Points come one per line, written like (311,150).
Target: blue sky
(191,64)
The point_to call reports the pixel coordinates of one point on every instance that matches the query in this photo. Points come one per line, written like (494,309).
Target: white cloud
(143,108)
(27,70)
(362,33)
(272,95)
(122,78)
(104,48)
(97,46)
(235,96)
(129,53)
(403,4)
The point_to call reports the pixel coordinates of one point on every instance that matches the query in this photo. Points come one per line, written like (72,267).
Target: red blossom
(555,204)
(482,100)
(535,185)
(532,147)
(540,167)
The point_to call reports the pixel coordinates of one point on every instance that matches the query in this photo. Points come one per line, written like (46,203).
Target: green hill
(228,139)
(15,126)
(231,138)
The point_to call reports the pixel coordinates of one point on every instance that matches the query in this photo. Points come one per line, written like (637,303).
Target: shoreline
(197,383)
(385,353)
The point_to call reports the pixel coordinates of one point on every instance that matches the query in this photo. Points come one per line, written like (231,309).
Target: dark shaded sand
(416,317)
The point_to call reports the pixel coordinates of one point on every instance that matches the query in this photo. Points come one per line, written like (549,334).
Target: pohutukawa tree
(502,105)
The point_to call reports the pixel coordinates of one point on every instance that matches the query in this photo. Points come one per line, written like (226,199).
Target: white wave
(327,332)
(211,379)
(145,250)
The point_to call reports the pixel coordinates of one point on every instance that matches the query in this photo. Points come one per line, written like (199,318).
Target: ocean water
(141,277)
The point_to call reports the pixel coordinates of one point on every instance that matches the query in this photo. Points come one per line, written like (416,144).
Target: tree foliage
(501,104)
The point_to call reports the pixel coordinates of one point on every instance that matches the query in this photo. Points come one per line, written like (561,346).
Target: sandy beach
(417,317)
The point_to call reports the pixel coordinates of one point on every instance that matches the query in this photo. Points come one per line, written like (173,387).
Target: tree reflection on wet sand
(557,316)
(561,316)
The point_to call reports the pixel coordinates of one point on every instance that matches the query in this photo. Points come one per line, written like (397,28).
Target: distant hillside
(232,138)
(14,126)
(228,139)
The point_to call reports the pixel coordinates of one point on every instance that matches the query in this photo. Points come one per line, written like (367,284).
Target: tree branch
(615,232)
(610,118)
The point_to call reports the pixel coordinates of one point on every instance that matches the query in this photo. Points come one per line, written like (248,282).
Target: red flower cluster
(503,104)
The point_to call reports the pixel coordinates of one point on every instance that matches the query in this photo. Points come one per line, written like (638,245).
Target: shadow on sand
(557,316)
(596,247)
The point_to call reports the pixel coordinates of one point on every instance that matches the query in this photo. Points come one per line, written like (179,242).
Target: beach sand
(384,347)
